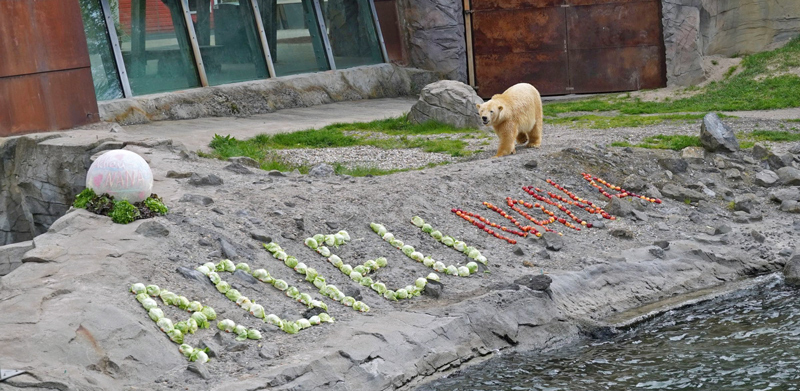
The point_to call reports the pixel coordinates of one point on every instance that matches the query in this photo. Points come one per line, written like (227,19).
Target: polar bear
(515,115)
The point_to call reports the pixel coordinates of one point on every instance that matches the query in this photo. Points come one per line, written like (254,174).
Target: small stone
(779,161)
(197,199)
(733,174)
(261,236)
(193,275)
(619,207)
(722,229)
(543,254)
(179,175)
(789,176)
(518,251)
(745,202)
(531,164)
(634,183)
(791,271)
(299,222)
(278,212)
(758,236)
(269,352)
(152,229)
(244,160)
(681,194)
(244,276)
(199,369)
(218,224)
(276,173)
(334,225)
(692,155)
(237,346)
(716,136)
(217,211)
(641,216)
(790,206)
(322,170)
(208,180)
(657,252)
(553,241)
(786,194)
(537,282)
(238,168)
(785,252)
(664,244)
(214,349)
(676,166)
(599,224)
(204,242)
(433,289)
(766,178)
(623,233)
(228,251)
(760,152)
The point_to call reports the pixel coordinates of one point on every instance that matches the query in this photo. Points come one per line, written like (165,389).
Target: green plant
(83,198)
(156,205)
(123,212)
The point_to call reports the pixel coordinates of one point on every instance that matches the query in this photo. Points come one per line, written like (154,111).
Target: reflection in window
(229,42)
(104,68)
(155,46)
(294,37)
(351,30)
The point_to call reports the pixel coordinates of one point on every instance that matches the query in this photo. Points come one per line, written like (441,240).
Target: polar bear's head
(490,112)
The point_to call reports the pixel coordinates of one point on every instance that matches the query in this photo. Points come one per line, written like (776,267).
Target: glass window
(229,42)
(104,69)
(352,34)
(155,46)
(293,34)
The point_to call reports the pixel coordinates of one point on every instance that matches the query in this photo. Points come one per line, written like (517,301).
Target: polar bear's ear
(499,108)
(478,105)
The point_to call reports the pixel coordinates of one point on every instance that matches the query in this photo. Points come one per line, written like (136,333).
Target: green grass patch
(759,86)
(772,135)
(399,126)
(620,121)
(661,141)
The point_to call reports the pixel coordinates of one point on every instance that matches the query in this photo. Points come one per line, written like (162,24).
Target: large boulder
(449,102)
(716,136)
(11,256)
(789,176)
(792,270)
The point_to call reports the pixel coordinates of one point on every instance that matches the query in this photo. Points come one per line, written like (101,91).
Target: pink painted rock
(122,174)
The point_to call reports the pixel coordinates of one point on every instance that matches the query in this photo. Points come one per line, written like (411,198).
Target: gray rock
(789,176)
(179,175)
(322,170)
(518,251)
(244,276)
(269,352)
(664,244)
(214,348)
(553,241)
(236,346)
(276,173)
(623,233)
(790,206)
(641,216)
(228,251)
(785,252)
(790,194)
(218,224)
(697,217)
(766,178)
(531,164)
(199,370)
(152,229)
(745,202)
(197,199)
(733,174)
(657,252)
(758,236)
(680,193)
(760,152)
(245,161)
(692,155)
(447,101)
(194,275)
(204,242)
(722,229)
(791,271)
(543,254)
(334,225)
(433,289)
(11,256)
(778,161)
(218,211)
(261,236)
(716,136)
(634,183)
(238,168)
(208,180)
(677,166)
(619,207)
(537,282)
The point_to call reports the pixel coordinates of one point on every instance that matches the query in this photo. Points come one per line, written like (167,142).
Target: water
(747,341)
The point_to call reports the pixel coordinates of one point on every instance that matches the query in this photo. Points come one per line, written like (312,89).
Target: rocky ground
(69,320)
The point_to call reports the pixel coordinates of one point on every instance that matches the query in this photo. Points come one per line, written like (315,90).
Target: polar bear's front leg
(507,138)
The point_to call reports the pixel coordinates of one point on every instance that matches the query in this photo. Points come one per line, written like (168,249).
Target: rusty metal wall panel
(524,45)
(41,36)
(47,101)
(599,2)
(617,69)
(483,5)
(543,69)
(614,25)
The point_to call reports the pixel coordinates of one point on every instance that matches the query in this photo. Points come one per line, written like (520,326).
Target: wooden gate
(567,46)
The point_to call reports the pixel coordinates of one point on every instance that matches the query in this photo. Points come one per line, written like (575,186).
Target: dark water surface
(746,341)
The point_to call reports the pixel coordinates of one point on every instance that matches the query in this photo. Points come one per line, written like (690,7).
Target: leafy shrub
(156,205)
(124,212)
(83,198)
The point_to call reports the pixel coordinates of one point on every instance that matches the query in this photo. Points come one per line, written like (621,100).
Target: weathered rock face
(697,28)
(715,136)
(792,270)
(433,31)
(447,101)
(11,256)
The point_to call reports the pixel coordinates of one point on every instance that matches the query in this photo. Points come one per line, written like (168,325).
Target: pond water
(749,340)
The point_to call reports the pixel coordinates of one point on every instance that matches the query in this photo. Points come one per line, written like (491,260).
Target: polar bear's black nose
(484,119)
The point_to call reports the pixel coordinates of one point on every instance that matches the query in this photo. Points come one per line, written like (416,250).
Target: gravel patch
(365,156)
